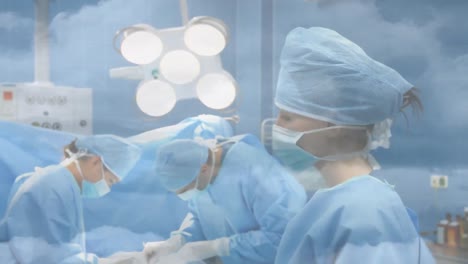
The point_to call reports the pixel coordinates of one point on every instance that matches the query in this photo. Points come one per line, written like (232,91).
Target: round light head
(140,45)
(216,90)
(179,66)
(206,36)
(155,98)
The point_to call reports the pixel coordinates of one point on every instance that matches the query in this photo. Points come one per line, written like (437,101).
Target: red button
(7,95)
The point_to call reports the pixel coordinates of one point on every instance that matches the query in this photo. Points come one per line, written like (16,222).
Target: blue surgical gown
(362,220)
(250,201)
(18,182)
(44,219)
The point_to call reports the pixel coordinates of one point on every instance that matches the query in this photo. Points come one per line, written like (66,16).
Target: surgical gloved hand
(124,258)
(155,250)
(198,251)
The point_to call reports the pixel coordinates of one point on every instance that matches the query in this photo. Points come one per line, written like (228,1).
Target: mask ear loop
(367,155)
(212,145)
(73,158)
(375,165)
(213,163)
(69,160)
(102,170)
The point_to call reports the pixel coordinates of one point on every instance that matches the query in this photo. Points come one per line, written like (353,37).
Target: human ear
(95,160)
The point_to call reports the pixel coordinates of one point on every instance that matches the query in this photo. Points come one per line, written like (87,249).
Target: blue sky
(425,40)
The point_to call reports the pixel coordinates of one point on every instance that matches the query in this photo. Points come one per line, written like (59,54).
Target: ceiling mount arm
(184,11)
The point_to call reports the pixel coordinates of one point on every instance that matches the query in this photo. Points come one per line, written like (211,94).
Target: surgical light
(179,66)
(156,98)
(140,44)
(216,90)
(177,63)
(206,36)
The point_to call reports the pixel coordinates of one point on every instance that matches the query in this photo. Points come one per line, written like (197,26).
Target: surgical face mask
(93,189)
(195,192)
(285,147)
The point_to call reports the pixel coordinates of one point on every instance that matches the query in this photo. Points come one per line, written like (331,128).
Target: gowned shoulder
(249,156)
(52,182)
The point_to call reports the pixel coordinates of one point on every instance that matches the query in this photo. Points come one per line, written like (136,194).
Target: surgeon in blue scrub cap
(335,105)
(240,199)
(44,219)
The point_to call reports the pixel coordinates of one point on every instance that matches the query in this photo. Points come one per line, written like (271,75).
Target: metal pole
(184,11)
(41,42)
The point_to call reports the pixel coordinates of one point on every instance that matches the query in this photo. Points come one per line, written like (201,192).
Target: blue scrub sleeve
(194,231)
(17,184)
(48,239)
(274,200)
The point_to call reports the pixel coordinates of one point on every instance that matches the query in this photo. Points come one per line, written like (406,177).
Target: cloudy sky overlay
(426,41)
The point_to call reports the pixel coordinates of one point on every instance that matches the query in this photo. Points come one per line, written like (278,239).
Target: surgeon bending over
(240,197)
(44,219)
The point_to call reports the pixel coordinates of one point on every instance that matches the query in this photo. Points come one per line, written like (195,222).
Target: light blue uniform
(330,229)
(44,221)
(251,201)
(17,184)
(106,219)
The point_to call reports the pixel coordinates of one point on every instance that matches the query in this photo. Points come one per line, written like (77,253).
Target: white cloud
(82,51)
(16,66)
(10,21)
(404,45)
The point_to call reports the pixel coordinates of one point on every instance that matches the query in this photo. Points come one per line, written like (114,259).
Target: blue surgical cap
(327,77)
(118,155)
(179,162)
(211,126)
